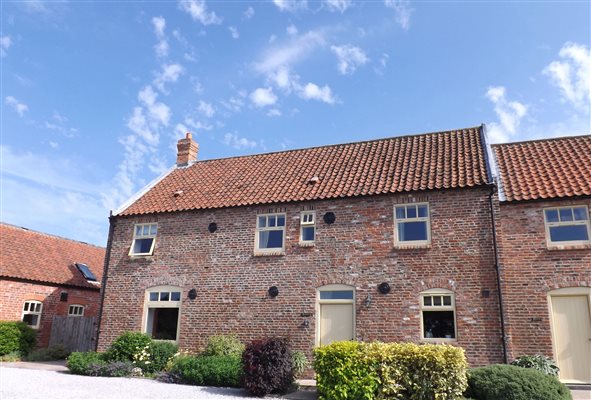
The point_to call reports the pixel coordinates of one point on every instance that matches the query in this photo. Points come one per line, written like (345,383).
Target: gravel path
(16,383)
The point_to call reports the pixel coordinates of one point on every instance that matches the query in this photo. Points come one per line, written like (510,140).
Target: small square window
(567,226)
(32,313)
(144,240)
(412,225)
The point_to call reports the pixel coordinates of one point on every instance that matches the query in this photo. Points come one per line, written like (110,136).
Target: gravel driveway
(17,383)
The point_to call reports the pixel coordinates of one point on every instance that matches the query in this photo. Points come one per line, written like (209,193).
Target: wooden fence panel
(75,333)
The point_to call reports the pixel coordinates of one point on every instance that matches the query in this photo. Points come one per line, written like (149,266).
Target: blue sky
(96,94)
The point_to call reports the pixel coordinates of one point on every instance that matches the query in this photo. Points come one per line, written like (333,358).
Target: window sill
(439,340)
(258,253)
(307,244)
(557,247)
(409,246)
(141,257)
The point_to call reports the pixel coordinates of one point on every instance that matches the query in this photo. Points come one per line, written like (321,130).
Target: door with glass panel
(336,314)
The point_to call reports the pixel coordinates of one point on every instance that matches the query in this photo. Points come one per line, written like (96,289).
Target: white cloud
(297,49)
(59,123)
(206,109)
(5,43)
(198,11)
(338,5)
(572,75)
(234,32)
(234,103)
(274,113)
(283,79)
(292,30)
(233,140)
(350,57)
(402,11)
(263,97)
(197,125)
(291,5)
(161,47)
(16,105)
(159,112)
(249,13)
(510,114)
(313,92)
(169,73)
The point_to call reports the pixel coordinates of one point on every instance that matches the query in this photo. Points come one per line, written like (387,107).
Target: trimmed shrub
(508,382)
(220,371)
(79,363)
(224,345)
(128,347)
(51,353)
(160,354)
(268,367)
(300,362)
(13,356)
(16,336)
(112,369)
(538,362)
(346,370)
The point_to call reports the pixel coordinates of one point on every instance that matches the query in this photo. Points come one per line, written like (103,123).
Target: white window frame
(307,220)
(144,236)
(76,310)
(27,311)
(162,304)
(452,307)
(427,219)
(549,225)
(273,250)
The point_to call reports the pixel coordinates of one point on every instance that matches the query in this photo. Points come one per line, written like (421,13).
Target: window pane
(427,300)
(138,230)
(447,300)
(411,212)
(308,233)
(153,296)
(336,295)
(580,214)
(423,211)
(400,214)
(409,231)
(280,220)
(551,215)
(566,214)
(568,233)
(436,300)
(37,307)
(142,246)
(175,296)
(26,307)
(275,239)
(262,222)
(438,324)
(164,296)
(153,229)
(271,220)
(146,230)
(162,323)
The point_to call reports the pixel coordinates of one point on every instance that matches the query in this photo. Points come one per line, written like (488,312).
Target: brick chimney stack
(187,151)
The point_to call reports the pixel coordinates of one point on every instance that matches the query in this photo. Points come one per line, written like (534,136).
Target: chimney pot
(187,150)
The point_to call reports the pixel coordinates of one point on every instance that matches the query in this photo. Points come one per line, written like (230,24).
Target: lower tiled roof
(36,256)
(544,169)
(441,160)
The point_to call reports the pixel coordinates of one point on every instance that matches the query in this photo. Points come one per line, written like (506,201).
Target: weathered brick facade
(357,249)
(14,293)
(530,270)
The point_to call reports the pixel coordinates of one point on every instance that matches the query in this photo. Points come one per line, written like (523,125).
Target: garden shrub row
(355,370)
(16,337)
(204,370)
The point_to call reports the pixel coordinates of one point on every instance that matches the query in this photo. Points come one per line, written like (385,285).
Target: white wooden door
(571,319)
(336,323)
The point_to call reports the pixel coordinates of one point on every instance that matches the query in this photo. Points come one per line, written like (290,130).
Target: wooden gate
(75,333)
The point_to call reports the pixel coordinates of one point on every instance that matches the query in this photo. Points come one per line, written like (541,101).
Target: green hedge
(354,370)
(508,382)
(221,371)
(16,336)
(79,363)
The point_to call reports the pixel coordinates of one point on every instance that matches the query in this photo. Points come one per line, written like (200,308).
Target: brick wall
(356,250)
(530,270)
(14,293)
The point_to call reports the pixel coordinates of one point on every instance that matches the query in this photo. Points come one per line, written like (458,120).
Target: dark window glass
(164,296)
(262,222)
(280,220)
(409,231)
(427,300)
(422,211)
(175,296)
(163,323)
(400,212)
(551,215)
(580,214)
(438,324)
(436,300)
(142,246)
(411,212)
(271,239)
(566,214)
(336,295)
(308,233)
(272,220)
(153,296)
(568,233)
(88,275)
(447,300)
(30,319)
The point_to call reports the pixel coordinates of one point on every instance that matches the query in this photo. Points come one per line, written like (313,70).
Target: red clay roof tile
(544,169)
(36,256)
(441,160)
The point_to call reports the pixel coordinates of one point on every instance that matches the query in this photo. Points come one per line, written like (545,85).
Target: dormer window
(307,228)
(144,240)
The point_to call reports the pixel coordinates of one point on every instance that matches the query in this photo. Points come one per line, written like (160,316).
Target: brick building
(42,276)
(544,242)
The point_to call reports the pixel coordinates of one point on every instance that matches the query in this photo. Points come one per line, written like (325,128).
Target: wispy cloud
(291,52)
(338,5)
(402,12)
(233,140)
(263,97)
(234,32)
(509,113)
(17,106)
(170,73)
(572,75)
(249,12)
(291,5)
(60,123)
(161,47)
(349,58)
(313,92)
(197,9)
(274,112)
(206,109)
(5,43)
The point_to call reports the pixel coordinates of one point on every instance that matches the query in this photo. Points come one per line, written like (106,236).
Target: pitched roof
(36,256)
(544,169)
(441,160)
